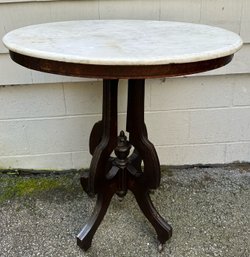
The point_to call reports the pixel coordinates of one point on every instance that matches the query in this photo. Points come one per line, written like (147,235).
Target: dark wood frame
(118,71)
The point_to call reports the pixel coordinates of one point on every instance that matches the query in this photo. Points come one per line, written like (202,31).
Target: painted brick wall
(202,118)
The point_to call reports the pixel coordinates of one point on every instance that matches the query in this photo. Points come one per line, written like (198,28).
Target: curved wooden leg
(144,151)
(95,136)
(162,228)
(104,197)
(108,130)
(138,133)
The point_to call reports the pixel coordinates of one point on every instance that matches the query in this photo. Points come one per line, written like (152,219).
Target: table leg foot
(162,228)
(86,235)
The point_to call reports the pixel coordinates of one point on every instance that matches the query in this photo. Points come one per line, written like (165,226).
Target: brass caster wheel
(160,247)
(120,199)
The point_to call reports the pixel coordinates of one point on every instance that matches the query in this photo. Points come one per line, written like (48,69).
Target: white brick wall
(204,118)
(206,126)
(190,120)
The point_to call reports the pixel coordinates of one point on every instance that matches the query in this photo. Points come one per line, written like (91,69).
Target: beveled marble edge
(183,58)
(177,59)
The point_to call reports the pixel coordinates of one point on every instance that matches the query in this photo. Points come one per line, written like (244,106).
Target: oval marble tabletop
(123,42)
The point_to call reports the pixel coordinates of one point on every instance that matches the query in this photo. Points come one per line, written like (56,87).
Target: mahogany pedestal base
(116,175)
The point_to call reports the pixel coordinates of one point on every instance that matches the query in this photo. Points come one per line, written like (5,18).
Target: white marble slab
(123,42)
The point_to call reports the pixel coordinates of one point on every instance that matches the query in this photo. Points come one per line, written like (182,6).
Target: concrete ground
(209,209)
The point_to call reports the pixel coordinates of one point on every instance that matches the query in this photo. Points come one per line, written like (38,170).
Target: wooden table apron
(116,175)
(119,71)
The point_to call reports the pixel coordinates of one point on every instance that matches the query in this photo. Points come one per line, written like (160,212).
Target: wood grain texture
(118,71)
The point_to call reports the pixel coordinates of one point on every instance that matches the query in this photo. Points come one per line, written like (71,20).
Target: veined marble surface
(123,42)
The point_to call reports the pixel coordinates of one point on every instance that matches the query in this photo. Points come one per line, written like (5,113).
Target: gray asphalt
(208,208)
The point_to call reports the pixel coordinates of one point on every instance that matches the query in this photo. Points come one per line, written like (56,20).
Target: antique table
(111,50)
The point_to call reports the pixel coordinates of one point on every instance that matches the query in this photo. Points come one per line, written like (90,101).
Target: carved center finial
(123,147)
